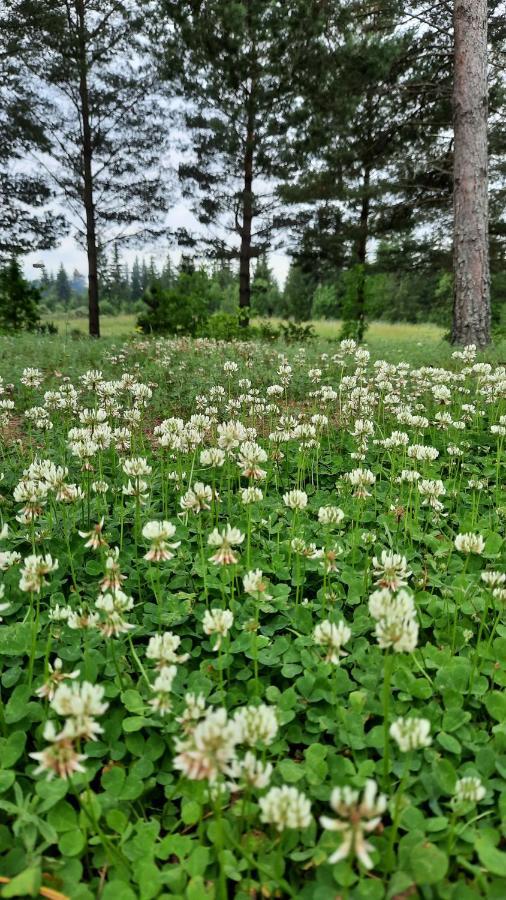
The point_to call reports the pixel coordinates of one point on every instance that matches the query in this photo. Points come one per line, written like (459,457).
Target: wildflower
(218,621)
(251,495)
(330,515)
(251,772)
(138,490)
(54,678)
(34,570)
(395,616)
(256,724)
(99,487)
(9,558)
(285,807)
(195,709)
(94,538)
(224,540)
(159,533)
(60,757)
(493,579)
(136,467)
(360,480)
(80,703)
(161,702)
(469,543)
(212,457)
(357,817)
(113,606)
(332,637)
(430,490)
(469,790)
(422,453)
(209,749)
(162,648)
(197,498)
(254,584)
(249,456)
(295,500)
(391,570)
(411,734)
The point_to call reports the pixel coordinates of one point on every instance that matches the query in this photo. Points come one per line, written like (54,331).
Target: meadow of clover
(253,637)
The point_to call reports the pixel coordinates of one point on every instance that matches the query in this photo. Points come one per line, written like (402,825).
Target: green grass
(110,326)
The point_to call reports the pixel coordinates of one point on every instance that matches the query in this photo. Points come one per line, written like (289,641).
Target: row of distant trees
(330,126)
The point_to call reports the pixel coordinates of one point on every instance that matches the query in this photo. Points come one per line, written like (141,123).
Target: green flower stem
(387,678)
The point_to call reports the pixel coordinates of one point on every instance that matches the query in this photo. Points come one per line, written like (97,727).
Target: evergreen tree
(62,285)
(265,295)
(88,59)
(26,223)
(298,294)
(135,281)
(237,62)
(19,300)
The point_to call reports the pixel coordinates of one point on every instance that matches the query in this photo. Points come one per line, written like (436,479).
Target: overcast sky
(73,257)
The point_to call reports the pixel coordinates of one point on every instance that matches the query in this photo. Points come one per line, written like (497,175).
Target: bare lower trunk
(87,148)
(361,255)
(471,309)
(247,218)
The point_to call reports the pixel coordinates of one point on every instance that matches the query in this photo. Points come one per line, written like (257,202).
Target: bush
(176,310)
(225,326)
(19,300)
(297,333)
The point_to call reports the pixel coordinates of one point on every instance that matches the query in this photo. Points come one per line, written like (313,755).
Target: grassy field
(254,618)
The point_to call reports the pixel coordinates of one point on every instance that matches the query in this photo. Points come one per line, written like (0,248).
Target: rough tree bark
(87,148)
(471,307)
(247,218)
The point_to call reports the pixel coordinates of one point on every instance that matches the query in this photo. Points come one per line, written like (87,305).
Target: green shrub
(19,300)
(225,326)
(177,310)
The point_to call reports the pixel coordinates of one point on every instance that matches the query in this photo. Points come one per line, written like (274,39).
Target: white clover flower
(217,621)
(249,457)
(357,817)
(94,538)
(295,499)
(113,607)
(212,457)
(395,616)
(330,515)
(285,807)
(251,495)
(469,790)
(158,533)
(256,724)
(136,467)
(430,490)
(79,703)
(251,772)
(332,637)
(163,647)
(194,710)
(255,584)
(224,540)
(411,734)
(422,453)
(161,702)
(60,758)
(469,543)
(360,480)
(197,498)
(210,748)
(390,570)
(493,579)
(9,558)
(54,677)
(34,570)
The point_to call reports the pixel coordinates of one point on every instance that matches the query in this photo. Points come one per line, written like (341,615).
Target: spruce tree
(63,290)
(19,300)
(237,60)
(88,59)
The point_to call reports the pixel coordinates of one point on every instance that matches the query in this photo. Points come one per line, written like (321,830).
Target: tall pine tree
(88,59)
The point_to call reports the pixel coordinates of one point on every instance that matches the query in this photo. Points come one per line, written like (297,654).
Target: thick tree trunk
(471,309)
(89,206)
(247,218)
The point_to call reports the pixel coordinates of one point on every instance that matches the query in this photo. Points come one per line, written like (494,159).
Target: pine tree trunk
(87,148)
(247,218)
(361,253)
(471,309)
